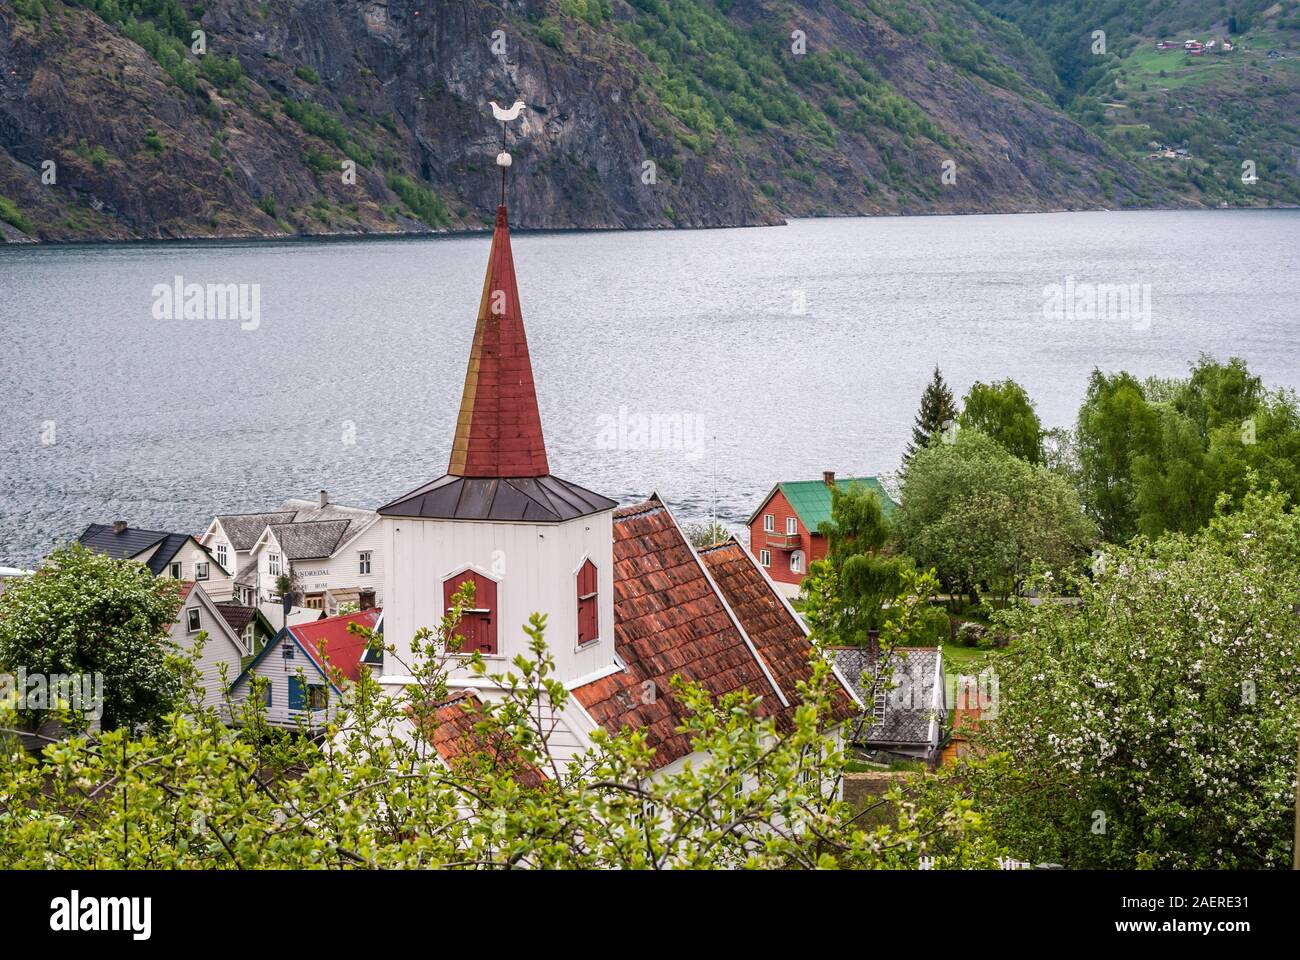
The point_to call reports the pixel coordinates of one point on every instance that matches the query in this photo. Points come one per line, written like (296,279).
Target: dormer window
(477,625)
(588,605)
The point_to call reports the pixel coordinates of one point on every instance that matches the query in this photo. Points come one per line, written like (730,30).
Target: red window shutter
(478,626)
(588,609)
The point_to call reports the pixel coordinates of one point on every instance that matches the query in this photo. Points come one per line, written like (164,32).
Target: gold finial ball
(503,159)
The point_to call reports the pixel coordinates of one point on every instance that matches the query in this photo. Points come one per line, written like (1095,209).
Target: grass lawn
(962,661)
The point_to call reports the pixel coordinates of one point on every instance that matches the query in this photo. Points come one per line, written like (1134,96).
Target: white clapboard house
(307,668)
(331,551)
(224,650)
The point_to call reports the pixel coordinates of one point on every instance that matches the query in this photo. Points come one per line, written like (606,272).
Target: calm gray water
(785,351)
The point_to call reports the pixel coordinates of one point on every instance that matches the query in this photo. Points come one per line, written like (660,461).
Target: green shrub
(425,204)
(10,214)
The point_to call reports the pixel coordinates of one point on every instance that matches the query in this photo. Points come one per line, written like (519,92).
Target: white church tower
(530,541)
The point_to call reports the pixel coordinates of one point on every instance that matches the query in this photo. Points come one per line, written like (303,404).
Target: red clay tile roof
(668,621)
(780,638)
(454,737)
(343,647)
(499,431)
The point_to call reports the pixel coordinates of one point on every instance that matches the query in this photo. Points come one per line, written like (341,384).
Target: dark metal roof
(519,499)
(132,542)
(119,546)
(166,552)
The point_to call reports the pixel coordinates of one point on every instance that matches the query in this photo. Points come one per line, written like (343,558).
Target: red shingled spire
(499,431)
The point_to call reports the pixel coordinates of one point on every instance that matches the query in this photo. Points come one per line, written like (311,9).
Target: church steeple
(499,429)
(498,469)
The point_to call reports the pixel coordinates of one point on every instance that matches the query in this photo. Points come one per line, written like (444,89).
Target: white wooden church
(630,603)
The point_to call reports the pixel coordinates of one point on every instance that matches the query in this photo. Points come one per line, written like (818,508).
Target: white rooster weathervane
(505,115)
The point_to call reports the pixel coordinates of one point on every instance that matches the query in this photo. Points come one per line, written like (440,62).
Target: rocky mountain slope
(645,113)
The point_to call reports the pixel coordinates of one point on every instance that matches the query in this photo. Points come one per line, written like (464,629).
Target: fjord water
(783,351)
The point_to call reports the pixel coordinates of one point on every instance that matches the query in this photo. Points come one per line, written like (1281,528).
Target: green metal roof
(811,499)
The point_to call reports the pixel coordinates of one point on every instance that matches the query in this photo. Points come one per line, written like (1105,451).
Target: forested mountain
(118,120)
(1225,107)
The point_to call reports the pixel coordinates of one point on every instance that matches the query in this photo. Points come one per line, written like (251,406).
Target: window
(364,562)
(588,608)
(248,637)
(175,571)
(222,556)
(318,696)
(477,626)
(791,526)
(266,698)
(273,564)
(769,523)
(192,622)
(201,570)
(314,601)
(796,562)
(765,557)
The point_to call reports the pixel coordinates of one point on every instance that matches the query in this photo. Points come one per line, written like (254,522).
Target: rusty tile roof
(670,620)
(778,634)
(455,738)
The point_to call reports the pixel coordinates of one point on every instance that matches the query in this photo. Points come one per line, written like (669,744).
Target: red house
(783,530)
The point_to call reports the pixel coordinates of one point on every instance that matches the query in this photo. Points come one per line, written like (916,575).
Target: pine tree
(937,409)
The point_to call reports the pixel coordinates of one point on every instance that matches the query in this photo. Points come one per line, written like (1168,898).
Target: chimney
(873,644)
(828,477)
(324,498)
(119,527)
(367,600)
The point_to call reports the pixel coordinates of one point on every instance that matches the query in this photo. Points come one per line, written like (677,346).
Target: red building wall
(813,545)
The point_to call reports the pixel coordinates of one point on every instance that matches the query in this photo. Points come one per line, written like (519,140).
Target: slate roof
(516,499)
(310,540)
(669,620)
(811,499)
(133,541)
(243,529)
(779,635)
(909,704)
